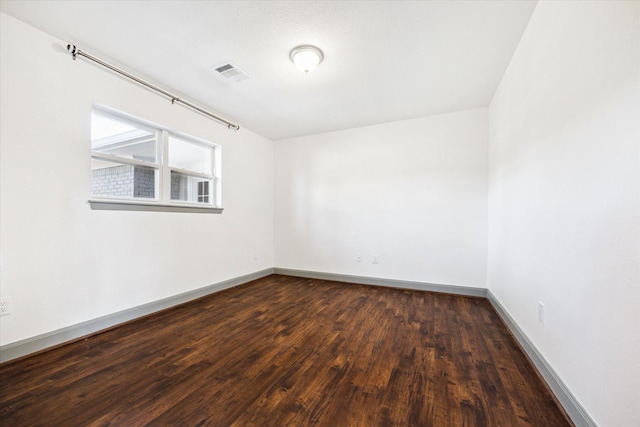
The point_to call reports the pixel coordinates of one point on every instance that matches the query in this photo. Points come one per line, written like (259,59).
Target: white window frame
(162,200)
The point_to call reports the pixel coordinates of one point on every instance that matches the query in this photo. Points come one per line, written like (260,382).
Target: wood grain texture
(285,351)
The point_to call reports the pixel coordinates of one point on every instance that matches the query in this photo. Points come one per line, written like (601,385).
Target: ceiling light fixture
(306,58)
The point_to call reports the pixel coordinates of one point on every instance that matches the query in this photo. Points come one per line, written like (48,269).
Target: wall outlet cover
(541,312)
(5,306)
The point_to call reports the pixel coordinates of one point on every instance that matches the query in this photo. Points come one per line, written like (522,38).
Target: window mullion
(187,172)
(166,171)
(125,160)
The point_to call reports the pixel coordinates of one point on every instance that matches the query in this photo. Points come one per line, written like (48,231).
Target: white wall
(564,198)
(63,263)
(412,192)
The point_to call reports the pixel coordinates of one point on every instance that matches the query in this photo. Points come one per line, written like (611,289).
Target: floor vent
(231,72)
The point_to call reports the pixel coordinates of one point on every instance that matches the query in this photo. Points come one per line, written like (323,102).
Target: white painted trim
(574,409)
(60,336)
(112,158)
(121,205)
(390,283)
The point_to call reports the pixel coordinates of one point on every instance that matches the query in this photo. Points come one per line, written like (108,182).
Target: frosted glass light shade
(306,58)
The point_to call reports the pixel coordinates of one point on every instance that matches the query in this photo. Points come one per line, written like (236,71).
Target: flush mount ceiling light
(306,58)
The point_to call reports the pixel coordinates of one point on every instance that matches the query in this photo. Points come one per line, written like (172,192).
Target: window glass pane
(122,138)
(187,155)
(120,180)
(190,189)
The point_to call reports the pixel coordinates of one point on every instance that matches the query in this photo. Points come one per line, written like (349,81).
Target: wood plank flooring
(285,351)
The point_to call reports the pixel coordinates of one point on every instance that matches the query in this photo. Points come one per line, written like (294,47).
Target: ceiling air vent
(231,72)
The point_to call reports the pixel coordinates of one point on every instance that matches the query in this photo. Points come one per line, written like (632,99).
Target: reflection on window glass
(190,188)
(120,180)
(203,192)
(120,138)
(189,156)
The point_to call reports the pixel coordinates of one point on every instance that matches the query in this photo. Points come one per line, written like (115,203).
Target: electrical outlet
(5,306)
(540,312)
(375,259)
(359,258)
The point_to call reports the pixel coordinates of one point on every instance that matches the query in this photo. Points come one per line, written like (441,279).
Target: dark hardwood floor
(284,351)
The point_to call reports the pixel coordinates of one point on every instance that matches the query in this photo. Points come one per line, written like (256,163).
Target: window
(136,162)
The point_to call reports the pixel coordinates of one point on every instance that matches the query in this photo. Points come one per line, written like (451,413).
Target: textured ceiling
(384,60)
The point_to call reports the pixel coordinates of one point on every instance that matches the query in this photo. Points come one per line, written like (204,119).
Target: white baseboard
(390,283)
(574,409)
(571,405)
(60,336)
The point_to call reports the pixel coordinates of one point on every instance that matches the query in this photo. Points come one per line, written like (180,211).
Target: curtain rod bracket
(72,48)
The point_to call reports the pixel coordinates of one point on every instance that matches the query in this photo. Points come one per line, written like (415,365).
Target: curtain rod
(75,52)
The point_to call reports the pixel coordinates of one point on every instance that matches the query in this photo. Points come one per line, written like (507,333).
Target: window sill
(119,205)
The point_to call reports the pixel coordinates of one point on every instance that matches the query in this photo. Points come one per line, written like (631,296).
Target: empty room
(320,213)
